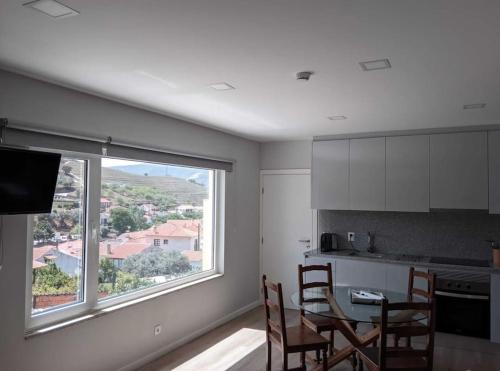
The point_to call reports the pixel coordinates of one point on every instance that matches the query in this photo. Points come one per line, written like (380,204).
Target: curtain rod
(6,123)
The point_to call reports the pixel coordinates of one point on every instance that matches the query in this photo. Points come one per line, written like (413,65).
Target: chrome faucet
(371,242)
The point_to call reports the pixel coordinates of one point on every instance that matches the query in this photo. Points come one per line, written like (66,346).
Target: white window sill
(101,312)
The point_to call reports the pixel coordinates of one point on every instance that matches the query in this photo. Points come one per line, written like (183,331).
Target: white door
(287,222)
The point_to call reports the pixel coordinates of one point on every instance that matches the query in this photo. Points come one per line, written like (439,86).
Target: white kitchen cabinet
(330,175)
(407,173)
(360,273)
(494,168)
(495,307)
(397,278)
(367,174)
(459,171)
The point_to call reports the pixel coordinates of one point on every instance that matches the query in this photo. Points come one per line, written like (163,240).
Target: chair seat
(321,323)
(303,338)
(318,323)
(371,354)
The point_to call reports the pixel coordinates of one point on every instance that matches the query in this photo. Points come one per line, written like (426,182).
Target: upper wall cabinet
(407,173)
(367,174)
(459,171)
(330,175)
(494,159)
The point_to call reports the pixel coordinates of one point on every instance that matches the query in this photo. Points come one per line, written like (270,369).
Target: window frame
(91,302)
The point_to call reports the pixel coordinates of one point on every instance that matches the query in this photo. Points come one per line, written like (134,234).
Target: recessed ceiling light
(335,118)
(222,86)
(52,8)
(474,105)
(379,64)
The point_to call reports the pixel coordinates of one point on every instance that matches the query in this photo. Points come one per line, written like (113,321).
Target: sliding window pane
(58,242)
(156,224)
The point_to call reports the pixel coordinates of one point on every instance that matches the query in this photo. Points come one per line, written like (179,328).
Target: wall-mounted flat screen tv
(27,181)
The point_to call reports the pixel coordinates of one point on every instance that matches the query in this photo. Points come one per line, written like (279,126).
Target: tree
(107,271)
(51,280)
(187,215)
(43,231)
(76,230)
(138,215)
(104,232)
(160,219)
(66,169)
(128,282)
(156,262)
(122,221)
(193,215)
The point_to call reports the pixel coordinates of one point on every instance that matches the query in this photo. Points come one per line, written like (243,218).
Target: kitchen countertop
(403,259)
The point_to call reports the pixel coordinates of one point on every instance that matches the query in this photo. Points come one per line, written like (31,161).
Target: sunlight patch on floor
(227,352)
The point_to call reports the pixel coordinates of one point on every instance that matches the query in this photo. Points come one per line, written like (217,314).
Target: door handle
(305,241)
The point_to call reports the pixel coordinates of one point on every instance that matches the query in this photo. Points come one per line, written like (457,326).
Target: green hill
(181,190)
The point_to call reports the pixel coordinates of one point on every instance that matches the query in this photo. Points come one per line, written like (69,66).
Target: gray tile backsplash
(442,233)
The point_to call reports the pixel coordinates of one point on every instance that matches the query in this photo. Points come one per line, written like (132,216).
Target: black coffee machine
(328,242)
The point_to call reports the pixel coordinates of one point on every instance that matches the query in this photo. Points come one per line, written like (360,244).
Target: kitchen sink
(364,254)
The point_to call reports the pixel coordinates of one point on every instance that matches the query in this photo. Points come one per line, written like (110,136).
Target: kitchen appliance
(459,261)
(328,242)
(463,303)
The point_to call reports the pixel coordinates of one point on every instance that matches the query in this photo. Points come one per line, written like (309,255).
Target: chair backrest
(414,291)
(275,329)
(328,283)
(408,330)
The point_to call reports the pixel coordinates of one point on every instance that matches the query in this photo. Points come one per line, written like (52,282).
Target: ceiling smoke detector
(304,75)
(52,8)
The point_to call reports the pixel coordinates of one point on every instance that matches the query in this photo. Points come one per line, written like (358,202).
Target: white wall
(286,155)
(125,336)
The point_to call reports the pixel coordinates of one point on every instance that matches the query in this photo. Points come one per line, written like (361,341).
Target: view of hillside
(180,190)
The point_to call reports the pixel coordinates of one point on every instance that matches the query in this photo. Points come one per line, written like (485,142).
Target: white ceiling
(162,55)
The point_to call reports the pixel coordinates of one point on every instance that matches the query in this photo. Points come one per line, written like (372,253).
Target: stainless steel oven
(463,303)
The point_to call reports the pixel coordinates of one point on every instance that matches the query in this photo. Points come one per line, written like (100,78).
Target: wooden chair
(401,358)
(431,284)
(413,291)
(296,339)
(317,322)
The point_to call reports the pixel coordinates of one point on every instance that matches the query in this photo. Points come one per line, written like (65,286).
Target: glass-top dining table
(338,305)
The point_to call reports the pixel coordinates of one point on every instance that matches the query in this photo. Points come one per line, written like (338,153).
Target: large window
(58,253)
(118,230)
(158,224)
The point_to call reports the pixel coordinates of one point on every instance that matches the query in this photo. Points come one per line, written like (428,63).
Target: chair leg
(360,365)
(303,360)
(269,348)
(354,361)
(325,360)
(332,342)
(285,361)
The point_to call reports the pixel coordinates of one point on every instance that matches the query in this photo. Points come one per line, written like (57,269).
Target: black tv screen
(27,181)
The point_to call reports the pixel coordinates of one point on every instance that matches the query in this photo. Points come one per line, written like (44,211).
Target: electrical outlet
(157,330)
(351,236)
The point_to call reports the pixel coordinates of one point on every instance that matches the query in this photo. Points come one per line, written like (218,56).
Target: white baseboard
(186,339)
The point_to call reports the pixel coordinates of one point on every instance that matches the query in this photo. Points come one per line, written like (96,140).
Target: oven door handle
(462,296)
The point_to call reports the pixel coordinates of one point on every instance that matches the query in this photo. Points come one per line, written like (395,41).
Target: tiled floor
(240,345)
